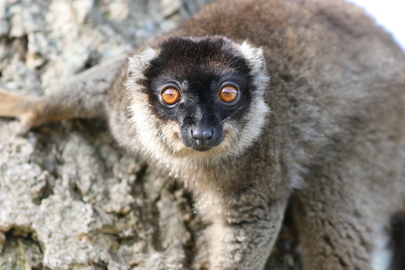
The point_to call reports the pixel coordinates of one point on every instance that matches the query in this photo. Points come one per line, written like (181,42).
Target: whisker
(233,114)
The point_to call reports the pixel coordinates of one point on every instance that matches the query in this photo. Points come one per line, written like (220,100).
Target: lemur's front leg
(245,226)
(83,96)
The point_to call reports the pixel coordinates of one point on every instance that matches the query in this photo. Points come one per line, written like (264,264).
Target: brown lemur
(252,103)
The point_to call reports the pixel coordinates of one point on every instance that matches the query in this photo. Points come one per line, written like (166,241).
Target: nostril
(196,134)
(207,134)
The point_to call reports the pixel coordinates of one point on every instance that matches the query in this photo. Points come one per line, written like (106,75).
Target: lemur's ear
(253,54)
(257,64)
(139,62)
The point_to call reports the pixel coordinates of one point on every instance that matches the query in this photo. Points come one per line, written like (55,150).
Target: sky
(389,14)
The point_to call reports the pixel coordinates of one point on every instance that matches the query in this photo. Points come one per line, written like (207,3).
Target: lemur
(255,103)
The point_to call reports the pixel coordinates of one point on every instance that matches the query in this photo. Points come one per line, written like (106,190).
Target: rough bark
(69,198)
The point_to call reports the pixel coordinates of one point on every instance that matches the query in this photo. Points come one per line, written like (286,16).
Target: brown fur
(335,137)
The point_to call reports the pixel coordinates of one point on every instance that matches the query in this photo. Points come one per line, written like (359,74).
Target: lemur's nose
(202,136)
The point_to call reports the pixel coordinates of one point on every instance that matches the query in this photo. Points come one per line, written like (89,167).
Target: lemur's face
(197,94)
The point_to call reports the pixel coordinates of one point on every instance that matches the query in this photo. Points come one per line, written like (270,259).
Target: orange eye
(170,96)
(228,94)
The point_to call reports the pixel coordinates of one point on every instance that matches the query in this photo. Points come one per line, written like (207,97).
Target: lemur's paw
(21,107)
(27,121)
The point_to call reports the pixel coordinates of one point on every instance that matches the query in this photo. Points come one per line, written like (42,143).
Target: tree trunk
(69,198)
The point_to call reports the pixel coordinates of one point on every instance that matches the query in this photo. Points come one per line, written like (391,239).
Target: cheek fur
(171,135)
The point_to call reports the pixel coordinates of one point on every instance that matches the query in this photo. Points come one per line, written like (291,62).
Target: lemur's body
(330,125)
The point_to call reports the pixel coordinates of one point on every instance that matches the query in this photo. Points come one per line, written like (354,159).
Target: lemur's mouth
(202,148)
